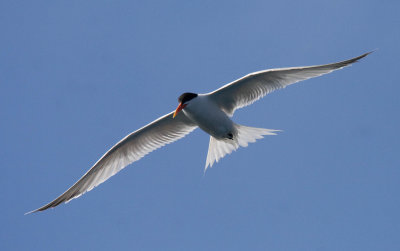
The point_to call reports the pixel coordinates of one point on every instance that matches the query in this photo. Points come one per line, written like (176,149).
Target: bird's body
(212,112)
(206,114)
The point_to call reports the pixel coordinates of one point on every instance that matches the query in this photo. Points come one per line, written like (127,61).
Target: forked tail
(217,149)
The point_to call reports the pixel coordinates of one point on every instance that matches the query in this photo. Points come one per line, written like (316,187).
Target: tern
(212,112)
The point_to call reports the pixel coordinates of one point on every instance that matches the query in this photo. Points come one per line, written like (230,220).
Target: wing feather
(252,87)
(133,147)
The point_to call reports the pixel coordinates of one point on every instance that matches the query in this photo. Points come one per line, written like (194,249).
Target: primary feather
(252,87)
(133,147)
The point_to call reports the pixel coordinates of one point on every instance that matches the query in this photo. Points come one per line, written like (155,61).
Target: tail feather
(219,148)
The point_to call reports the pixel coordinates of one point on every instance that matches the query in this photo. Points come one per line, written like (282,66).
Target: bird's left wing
(250,88)
(133,147)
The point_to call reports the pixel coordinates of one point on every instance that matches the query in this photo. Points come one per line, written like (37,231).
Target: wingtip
(33,211)
(40,209)
(366,54)
(355,60)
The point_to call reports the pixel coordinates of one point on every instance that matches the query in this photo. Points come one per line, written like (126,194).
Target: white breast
(207,115)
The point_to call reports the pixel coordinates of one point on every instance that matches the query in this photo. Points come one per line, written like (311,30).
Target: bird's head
(183,101)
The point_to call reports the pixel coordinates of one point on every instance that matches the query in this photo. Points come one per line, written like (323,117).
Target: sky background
(77,76)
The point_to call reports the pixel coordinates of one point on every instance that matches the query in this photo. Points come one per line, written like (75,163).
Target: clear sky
(77,76)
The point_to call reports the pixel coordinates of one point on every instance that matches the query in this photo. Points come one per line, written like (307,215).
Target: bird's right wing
(250,88)
(133,147)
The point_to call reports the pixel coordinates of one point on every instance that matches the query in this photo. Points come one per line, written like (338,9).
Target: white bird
(211,112)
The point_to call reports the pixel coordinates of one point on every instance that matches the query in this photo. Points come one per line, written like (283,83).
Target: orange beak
(178,109)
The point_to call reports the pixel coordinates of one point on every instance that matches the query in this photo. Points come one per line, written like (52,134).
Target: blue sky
(77,76)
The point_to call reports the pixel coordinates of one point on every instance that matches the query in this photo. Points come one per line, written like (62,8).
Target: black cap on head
(186,97)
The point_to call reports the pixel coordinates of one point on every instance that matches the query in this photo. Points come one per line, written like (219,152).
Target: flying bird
(212,112)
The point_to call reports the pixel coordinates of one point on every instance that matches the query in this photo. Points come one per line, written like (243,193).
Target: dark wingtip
(355,60)
(363,55)
(43,208)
